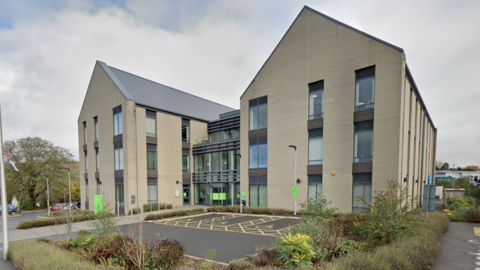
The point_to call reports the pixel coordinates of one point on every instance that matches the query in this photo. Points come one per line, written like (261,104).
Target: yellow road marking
(199,224)
(240,225)
(186,224)
(476,231)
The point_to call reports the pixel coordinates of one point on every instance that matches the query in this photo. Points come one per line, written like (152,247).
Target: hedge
(28,224)
(39,255)
(253,210)
(415,252)
(179,213)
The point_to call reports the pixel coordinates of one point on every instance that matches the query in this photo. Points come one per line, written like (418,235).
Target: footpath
(49,231)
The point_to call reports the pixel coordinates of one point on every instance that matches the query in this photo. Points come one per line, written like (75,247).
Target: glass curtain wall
(314,186)
(185,160)
(365,89)
(363,142)
(316,100)
(185,130)
(118,156)
(258,192)
(315,147)
(258,113)
(151,124)
(119,195)
(362,188)
(117,121)
(151,157)
(152,191)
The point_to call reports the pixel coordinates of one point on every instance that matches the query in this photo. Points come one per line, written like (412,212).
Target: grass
(40,255)
(179,213)
(409,253)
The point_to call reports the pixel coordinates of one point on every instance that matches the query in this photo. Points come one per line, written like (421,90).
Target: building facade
(333,111)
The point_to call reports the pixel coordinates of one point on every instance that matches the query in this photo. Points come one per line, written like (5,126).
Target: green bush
(179,213)
(28,224)
(240,265)
(472,215)
(317,209)
(295,250)
(40,255)
(458,214)
(410,253)
(252,210)
(455,203)
(390,215)
(348,246)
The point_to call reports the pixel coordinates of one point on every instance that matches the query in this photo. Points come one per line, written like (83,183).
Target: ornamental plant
(295,250)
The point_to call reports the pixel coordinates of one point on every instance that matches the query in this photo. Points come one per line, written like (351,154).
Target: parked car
(58,207)
(69,205)
(77,205)
(12,209)
(53,205)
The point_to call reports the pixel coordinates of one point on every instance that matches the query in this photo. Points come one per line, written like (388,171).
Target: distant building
(346,100)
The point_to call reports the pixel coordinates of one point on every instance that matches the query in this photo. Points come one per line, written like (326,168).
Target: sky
(213,49)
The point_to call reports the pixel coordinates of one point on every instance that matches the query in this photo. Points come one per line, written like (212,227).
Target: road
(14,220)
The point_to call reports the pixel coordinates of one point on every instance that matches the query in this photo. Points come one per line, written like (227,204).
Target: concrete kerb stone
(202,259)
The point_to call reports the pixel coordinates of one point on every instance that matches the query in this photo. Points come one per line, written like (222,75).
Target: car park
(11,209)
(58,207)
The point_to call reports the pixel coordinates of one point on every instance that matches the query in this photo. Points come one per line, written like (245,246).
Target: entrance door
(186,194)
(219,194)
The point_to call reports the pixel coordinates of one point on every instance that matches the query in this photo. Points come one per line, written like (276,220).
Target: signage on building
(177,193)
(295,192)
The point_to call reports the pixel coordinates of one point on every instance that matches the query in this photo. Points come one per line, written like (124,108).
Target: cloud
(211,48)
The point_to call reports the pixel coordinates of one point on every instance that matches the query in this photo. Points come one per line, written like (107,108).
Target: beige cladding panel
(102,96)
(198,130)
(169,153)
(316,48)
(141,161)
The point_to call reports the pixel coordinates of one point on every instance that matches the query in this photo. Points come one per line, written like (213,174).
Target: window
(85,132)
(258,191)
(258,113)
(117,121)
(185,130)
(118,156)
(258,153)
(151,124)
(315,147)
(362,188)
(97,160)
(363,145)
(185,160)
(316,100)
(86,161)
(95,119)
(152,191)
(151,157)
(99,184)
(314,186)
(86,190)
(364,89)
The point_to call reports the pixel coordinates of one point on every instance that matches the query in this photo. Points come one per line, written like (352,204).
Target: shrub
(179,213)
(410,253)
(40,255)
(455,203)
(472,215)
(390,215)
(295,250)
(252,210)
(240,265)
(262,258)
(317,209)
(165,253)
(458,214)
(348,246)
(27,224)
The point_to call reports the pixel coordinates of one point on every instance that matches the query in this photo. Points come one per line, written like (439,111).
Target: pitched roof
(331,19)
(158,96)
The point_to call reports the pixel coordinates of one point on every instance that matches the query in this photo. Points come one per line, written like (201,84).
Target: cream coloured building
(343,100)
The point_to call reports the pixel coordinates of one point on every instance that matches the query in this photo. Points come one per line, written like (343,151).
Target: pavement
(460,247)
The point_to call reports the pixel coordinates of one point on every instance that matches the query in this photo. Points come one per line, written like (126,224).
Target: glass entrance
(186,194)
(219,195)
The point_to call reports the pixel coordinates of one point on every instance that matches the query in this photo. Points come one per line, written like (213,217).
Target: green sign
(244,194)
(295,192)
(184,194)
(238,195)
(223,196)
(98,200)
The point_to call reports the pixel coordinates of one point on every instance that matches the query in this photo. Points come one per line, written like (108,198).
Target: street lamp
(295,179)
(69,192)
(241,203)
(48,197)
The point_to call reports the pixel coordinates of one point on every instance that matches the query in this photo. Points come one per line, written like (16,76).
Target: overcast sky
(213,49)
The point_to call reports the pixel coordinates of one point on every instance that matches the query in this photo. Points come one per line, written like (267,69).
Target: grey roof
(155,95)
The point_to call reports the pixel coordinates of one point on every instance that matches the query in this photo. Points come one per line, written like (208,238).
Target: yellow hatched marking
(199,224)
(186,224)
(226,229)
(240,225)
(261,231)
(476,231)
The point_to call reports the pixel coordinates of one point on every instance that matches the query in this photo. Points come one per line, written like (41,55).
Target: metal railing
(315,116)
(215,176)
(220,136)
(363,107)
(362,159)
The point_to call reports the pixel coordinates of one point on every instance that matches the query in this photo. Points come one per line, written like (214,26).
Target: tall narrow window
(118,156)
(96,127)
(316,100)
(363,145)
(151,124)
(185,160)
(85,132)
(151,157)
(185,130)
(117,121)
(86,190)
(258,153)
(97,160)
(315,147)
(314,186)
(152,191)
(362,188)
(86,161)
(258,113)
(365,89)
(258,191)
(119,195)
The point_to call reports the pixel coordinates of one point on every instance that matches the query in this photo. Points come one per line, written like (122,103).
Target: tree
(35,158)
(472,168)
(438,165)
(445,167)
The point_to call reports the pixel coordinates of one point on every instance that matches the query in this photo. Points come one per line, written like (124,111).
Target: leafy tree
(35,158)
(445,166)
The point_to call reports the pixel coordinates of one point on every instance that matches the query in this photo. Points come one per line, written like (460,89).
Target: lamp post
(454,176)
(48,197)
(69,192)
(295,179)
(241,204)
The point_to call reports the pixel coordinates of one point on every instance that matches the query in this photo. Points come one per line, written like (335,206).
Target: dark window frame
(255,104)
(315,88)
(361,75)
(257,142)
